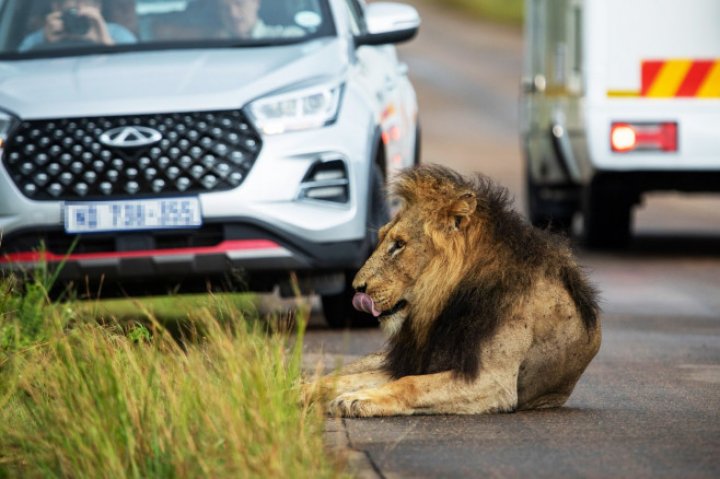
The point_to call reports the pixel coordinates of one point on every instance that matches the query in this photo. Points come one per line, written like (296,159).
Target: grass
(503,11)
(167,308)
(125,399)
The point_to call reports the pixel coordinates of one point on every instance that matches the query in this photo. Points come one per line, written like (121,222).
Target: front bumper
(235,254)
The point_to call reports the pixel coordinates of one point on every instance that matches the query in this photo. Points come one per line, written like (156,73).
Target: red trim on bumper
(224,247)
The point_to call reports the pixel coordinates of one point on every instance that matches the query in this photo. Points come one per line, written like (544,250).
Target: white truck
(620,97)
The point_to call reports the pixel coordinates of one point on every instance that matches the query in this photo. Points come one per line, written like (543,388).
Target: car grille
(194,153)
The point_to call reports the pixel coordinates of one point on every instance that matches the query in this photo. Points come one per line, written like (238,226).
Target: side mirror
(389,22)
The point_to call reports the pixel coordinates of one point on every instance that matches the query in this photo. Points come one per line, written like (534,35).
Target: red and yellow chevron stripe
(680,78)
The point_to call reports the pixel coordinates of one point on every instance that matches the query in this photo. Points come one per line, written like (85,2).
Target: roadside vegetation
(503,11)
(88,393)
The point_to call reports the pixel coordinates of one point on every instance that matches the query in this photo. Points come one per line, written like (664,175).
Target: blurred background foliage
(504,11)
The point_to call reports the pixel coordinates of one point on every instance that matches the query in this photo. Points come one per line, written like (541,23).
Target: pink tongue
(363,302)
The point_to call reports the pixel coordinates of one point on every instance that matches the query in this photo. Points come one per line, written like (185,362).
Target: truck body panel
(650,68)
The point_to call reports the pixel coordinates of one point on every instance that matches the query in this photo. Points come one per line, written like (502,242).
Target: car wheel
(543,213)
(606,219)
(337,308)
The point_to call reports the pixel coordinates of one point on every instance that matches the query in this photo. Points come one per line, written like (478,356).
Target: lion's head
(423,252)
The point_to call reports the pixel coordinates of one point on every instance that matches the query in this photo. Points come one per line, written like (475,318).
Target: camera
(74,23)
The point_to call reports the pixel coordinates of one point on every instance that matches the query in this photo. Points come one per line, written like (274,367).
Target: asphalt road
(649,404)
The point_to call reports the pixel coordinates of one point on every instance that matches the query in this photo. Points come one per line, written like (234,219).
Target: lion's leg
(440,393)
(493,390)
(366,372)
(371,362)
(332,385)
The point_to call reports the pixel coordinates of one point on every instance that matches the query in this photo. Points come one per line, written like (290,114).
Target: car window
(31,26)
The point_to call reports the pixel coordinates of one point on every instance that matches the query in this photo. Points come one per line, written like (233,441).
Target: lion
(483,312)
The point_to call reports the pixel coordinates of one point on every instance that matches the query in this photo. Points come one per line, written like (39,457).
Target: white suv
(175,150)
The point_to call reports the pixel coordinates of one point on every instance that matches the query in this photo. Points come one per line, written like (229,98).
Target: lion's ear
(461,210)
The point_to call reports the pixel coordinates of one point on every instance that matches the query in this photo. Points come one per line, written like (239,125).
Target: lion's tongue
(363,302)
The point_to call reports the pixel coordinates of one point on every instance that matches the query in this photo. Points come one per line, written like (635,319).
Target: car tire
(606,219)
(337,308)
(547,214)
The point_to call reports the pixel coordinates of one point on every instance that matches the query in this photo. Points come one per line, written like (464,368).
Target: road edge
(337,443)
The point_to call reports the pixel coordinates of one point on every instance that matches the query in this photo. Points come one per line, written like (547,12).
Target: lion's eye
(396,246)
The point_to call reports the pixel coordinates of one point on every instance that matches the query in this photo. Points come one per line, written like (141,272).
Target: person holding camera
(77,22)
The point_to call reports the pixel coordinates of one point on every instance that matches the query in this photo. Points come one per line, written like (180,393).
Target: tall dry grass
(83,400)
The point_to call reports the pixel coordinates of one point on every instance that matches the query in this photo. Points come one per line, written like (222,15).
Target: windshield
(42,27)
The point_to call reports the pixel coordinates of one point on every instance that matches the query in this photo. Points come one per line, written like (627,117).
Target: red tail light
(625,137)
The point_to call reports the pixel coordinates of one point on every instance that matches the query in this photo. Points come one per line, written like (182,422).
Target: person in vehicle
(78,22)
(240,19)
(124,13)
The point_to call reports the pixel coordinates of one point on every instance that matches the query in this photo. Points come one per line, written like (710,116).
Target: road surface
(649,404)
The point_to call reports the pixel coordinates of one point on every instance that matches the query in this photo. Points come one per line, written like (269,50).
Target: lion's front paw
(365,403)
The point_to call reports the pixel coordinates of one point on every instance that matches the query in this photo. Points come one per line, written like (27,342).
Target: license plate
(94,216)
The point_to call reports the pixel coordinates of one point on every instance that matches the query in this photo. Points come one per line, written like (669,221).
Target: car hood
(162,81)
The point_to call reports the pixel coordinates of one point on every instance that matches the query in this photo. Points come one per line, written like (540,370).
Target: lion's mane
(506,256)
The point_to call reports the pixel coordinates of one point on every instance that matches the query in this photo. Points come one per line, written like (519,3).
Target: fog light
(329,193)
(326,181)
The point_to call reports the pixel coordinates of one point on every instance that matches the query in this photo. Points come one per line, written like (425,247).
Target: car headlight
(298,110)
